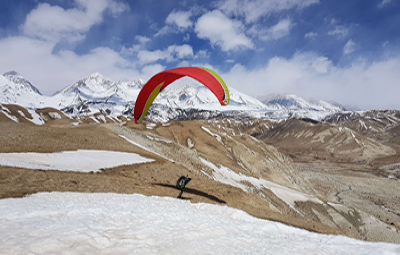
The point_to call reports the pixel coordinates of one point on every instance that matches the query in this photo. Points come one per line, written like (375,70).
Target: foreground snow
(80,223)
(80,160)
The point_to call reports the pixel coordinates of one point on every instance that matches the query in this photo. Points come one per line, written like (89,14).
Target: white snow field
(105,223)
(80,160)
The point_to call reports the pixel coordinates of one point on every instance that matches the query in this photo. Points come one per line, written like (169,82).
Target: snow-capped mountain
(18,79)
(297,106)
(195,101)
(17,90)
(198,96)
(189,100)
(292,102)
(96,93)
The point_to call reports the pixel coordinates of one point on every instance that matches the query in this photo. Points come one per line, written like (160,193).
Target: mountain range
(187,99)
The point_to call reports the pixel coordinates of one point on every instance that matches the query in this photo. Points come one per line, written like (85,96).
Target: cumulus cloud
(135,48)
(177,22)
(229,34)
(201,54)
(53,23)
(142,39)
(253,10)
(311,35)
(339,31)
(279,30)
(180,19)
(349,47)
(172,53)
(366,85)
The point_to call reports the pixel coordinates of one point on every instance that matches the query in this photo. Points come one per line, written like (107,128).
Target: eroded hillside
(310,175)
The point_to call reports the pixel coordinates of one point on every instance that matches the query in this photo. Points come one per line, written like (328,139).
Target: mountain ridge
(98,94)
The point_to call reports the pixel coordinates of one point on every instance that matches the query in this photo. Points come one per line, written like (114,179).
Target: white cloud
(384,3)
(177,22)
(202,54)
(253,10)
(149,70)
(281,29)
(349,47)
(311,35)
(183,63)
(142,39)
(181,51)
(373,85)
(53,23)
(165,30)
(369,86)
(172,53)
(180,19)
(146,56)
(135,48)
(228,34)
(339,31)
(50,72)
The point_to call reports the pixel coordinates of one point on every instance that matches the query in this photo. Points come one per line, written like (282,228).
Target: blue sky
(339,50)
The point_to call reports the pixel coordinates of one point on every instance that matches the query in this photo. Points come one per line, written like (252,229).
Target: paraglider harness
(181,183)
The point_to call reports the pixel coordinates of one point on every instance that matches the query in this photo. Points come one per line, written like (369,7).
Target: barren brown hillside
(228,166)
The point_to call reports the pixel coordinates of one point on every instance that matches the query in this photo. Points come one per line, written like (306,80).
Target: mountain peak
(285,101)
(96,75)
(97,79)
(18,79)
(11,73)
(299,106)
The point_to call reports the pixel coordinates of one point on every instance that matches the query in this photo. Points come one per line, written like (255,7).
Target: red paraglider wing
(159,81)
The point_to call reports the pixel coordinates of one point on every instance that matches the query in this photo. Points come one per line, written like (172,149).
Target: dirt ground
(367,194)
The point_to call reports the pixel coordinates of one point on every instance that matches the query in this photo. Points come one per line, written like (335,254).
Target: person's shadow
(194,192)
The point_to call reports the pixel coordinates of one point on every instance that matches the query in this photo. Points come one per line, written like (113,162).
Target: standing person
(181,183)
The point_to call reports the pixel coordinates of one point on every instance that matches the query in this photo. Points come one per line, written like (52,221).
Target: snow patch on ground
(150,125)
(219,139)
(158,139)
(190,143)
(80,160)
(6,112)
(55,115)
(104,223)
(36,119)
(145,148)
(229,177)
(94,119)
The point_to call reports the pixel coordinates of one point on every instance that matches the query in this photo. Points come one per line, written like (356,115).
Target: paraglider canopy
(161,80)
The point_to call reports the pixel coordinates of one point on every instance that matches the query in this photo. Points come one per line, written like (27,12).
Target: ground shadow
(194,192)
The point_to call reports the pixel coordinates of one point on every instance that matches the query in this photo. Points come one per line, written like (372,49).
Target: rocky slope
(229,165)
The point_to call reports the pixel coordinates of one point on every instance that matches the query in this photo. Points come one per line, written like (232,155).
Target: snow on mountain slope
(198,96)
(18,79)
(17,90)
(96,93)
(299,107)
(375,123)
(185,99)
(97,87)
